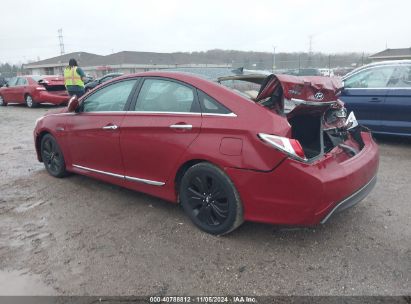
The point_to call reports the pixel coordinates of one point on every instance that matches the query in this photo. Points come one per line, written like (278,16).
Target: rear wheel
(30,102)
(52,156)
(2,101)
(210,199)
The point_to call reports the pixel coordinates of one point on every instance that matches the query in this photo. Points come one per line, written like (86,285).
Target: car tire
(30,102)
(210,199)
(3,103)
(52,156)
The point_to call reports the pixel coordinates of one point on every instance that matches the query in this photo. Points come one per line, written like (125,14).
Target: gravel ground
(79,236)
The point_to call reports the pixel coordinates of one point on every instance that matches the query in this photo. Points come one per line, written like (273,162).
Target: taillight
(40,88)
(290,146)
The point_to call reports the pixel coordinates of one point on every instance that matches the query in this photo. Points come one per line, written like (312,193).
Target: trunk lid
(295,95)
(318,119)
(53,84)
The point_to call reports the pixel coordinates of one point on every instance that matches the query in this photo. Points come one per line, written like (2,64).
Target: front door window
(111,98)
(372,78)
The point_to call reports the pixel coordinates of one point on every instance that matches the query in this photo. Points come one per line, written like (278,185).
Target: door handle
(375,99)
(110,127)
(187,127)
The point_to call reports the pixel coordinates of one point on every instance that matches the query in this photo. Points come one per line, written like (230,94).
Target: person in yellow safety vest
(74,78)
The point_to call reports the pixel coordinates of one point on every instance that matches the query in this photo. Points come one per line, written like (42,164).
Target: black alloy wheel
(52,156)
(210,199)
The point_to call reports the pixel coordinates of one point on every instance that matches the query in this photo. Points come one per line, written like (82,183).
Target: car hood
(56,111)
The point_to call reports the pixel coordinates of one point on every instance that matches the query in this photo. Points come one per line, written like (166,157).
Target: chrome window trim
(183,113)
(164,112)
(125,177)
(75,113)
(151,112)
(222,115)
(105,112)
(345,77)
(381,88)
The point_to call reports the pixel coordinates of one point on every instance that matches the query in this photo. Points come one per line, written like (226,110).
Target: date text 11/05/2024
(202,299)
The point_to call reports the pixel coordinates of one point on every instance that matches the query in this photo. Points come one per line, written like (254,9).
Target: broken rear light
(291,147)
(40,88)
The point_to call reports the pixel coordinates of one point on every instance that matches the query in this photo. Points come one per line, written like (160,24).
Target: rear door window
(401,77)
(21,81)
(210,105)
(160,95)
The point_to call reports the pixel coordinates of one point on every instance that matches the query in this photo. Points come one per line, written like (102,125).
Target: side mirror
(73,104)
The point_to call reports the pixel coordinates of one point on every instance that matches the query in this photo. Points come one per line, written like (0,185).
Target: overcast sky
(29,28)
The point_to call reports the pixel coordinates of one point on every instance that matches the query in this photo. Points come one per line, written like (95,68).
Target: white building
(122,62)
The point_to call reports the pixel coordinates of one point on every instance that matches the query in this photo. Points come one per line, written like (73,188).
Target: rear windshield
(244,88)
(36,78)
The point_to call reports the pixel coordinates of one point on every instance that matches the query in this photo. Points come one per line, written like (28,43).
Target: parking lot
(79,236)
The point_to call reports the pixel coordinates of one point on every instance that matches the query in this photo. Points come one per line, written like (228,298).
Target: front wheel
(52,156)
(30,102)
(2,101)
(210,199)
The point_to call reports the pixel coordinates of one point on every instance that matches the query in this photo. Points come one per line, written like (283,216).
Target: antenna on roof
(60,31)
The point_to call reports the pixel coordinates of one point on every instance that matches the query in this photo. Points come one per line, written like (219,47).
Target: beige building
(122,62)
(392,54)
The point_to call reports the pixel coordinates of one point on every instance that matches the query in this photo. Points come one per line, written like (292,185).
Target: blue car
(380,96)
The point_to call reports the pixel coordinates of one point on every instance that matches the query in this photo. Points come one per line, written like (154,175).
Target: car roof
(181,76)
(377,64)
(211,88)
(111,74)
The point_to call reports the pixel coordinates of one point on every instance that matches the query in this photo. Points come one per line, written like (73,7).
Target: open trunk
(317,117)
(54,85)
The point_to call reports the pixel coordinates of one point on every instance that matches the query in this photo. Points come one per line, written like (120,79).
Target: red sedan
(33,90)
(288,155)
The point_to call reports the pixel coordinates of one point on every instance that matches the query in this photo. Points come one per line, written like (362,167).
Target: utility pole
(310,50)
(310,44)
(60,31)
(274,57)
(329,63)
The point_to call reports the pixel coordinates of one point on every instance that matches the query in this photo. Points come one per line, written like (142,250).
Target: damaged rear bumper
(307,194)
(352,200)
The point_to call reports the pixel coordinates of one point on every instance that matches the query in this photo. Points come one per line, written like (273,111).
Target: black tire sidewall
(234,208)
(62,172)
